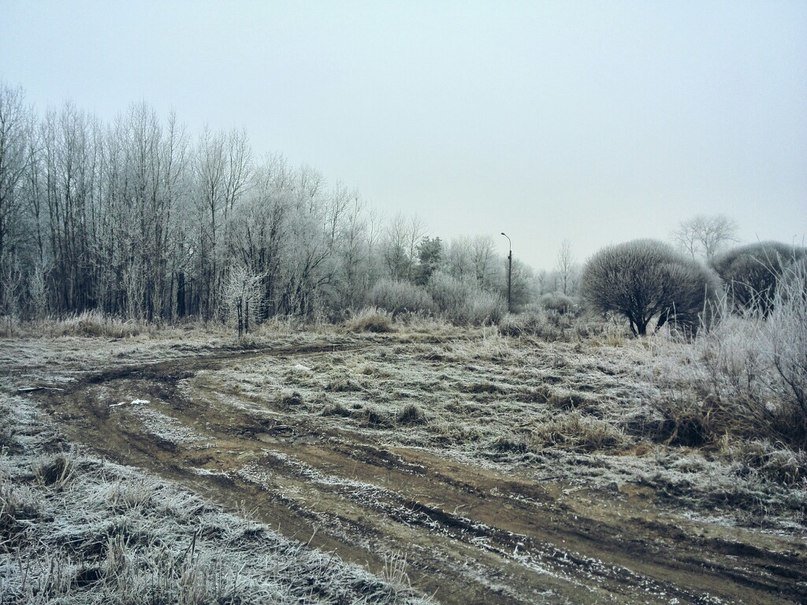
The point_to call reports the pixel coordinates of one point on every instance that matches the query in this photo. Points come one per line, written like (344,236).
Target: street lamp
(509,275)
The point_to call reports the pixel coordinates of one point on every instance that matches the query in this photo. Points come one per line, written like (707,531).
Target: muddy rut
(468,534)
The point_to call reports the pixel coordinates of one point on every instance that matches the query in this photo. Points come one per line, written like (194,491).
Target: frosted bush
(558,302)
(465,302)
(400,297)
(751,371)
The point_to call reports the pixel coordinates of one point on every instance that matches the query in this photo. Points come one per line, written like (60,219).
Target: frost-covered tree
(15,139)
(71,185)
(131,219)
(400,247)
(566,268)
(474,258)
(241,297)
(646,280)
(751,272)
(353,251)
(222,169)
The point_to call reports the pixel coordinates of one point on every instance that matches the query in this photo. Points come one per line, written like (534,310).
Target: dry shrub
(559,303)
(510,444)
(677,421)
(337,409)
(394,571)
(343,384)
(371,319)
(745,376)
(570,400)
(291,400)
(18,507)
(535,323)
(55,471)
(603,331)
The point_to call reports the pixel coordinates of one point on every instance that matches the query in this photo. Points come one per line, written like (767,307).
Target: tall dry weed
(748,372)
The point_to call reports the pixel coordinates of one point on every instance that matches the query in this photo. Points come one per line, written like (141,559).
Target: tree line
(138,219)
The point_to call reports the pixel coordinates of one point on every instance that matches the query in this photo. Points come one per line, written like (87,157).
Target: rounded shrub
(752,272)
(648,281)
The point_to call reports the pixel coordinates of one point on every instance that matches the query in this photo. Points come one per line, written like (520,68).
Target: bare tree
(705,235)
(241,296)
(483,259)
(565,266)
(223,165)
(14,143)
(457,261)
(352,256)
(474,258)
(70,181)
(400,247)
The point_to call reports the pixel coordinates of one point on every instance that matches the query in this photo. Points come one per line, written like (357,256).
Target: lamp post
(509,275)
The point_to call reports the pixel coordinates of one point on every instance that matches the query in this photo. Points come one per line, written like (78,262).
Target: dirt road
(468,533)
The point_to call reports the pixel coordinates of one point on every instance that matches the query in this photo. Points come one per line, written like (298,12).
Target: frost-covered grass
(86,324)
(598,412)
(585,408)
(79,529)
(750,371)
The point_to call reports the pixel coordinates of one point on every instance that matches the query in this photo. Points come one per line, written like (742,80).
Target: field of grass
(387,462)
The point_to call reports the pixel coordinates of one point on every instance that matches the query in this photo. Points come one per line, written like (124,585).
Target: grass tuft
(371,319)
(55,471)
(411,414)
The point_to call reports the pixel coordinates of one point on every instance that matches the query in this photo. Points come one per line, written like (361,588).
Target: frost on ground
(78,529)
(584,414)
(485,467)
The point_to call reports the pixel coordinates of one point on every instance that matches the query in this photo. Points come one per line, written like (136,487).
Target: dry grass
(370,319)
(578,432)
(88,324)
(584,411)
(747,375)
(591,410)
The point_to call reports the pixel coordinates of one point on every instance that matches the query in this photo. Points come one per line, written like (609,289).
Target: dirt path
(468,534)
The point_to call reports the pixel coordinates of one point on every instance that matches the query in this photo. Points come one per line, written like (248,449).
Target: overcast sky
(596,122)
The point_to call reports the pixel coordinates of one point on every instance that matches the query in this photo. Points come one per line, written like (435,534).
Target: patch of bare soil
(306,438)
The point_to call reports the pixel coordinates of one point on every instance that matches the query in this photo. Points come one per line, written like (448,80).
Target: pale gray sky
(595,122)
